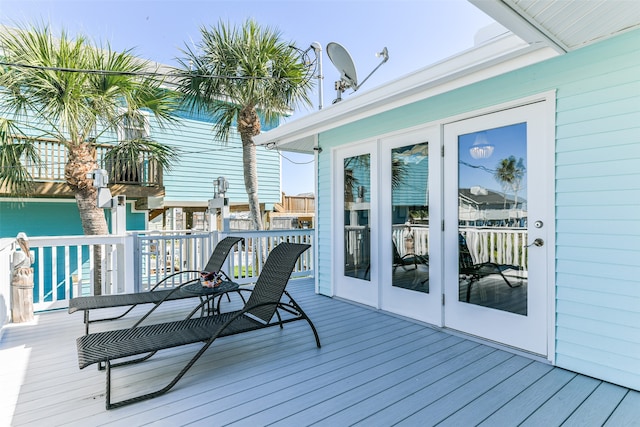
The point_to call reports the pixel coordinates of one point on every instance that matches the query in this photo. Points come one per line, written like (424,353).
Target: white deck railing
(7,246)
(498,245)
(162,253)
(64,266)
(487,244)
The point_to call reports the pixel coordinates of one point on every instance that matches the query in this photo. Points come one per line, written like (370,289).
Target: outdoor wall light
(220,187)
(481,148)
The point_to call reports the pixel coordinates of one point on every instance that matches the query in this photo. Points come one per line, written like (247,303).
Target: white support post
(119,215)
(126,270)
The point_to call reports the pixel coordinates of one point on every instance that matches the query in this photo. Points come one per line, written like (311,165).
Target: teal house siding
(597,193)
(39,218)
(414,191)
(203,158)
(598,213)
(52,218)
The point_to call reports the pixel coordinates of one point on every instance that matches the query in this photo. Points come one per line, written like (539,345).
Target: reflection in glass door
(355,234)
(411,261)
(496,196)
(492,218)
(357,212)
(410,217)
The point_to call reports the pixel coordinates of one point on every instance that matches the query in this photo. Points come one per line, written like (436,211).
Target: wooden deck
(373,369)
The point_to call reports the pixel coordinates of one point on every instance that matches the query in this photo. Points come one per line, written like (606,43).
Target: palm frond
(128,154)
(249,66)
(16,152)
(72,103)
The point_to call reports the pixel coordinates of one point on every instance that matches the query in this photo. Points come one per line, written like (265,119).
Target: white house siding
(597,194)
(203,158)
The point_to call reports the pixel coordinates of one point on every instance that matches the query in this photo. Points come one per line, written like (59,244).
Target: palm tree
(509,174)
(74,91)
(238,74)
(15,146)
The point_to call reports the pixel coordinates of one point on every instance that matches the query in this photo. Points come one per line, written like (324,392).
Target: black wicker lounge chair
(473,273)
(157,293)
(263,309)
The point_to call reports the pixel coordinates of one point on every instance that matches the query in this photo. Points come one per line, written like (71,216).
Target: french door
(355,253)
(410,225)
(385,252)
(497,224)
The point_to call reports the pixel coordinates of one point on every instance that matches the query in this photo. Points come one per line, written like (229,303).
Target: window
(134,127)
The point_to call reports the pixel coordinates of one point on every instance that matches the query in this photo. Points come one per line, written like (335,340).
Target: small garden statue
(22,282)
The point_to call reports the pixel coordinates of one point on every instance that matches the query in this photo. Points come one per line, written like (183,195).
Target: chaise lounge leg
(303,315)
(156,393)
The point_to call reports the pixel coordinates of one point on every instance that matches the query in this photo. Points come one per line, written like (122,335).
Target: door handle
(538,242)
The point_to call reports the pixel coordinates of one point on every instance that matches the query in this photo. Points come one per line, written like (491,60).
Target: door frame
(544,105)
(416,305)
(549,99)
(353,289)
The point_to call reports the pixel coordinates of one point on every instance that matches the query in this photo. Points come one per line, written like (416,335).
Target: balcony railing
(54,156)
(498,245)
(64,265)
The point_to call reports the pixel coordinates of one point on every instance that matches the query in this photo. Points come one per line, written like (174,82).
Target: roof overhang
(564,25)
(497,56)
(540,29)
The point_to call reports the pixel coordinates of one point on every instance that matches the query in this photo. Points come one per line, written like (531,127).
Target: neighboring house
(563,96)
(479,206)
(166,195)
(293,212)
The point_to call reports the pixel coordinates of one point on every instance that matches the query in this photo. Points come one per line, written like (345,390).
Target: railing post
(133,250)
(7,246)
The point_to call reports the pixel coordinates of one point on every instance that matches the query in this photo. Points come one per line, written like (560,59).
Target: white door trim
(362,291)
(425,307)
(522,332)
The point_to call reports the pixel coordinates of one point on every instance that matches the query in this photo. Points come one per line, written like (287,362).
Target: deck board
(373,369)
(598,406)
(560,406)
(626,413)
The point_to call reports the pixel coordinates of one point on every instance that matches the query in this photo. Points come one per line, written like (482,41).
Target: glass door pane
(492,218)
(357,215)
(410,217)
(499,201)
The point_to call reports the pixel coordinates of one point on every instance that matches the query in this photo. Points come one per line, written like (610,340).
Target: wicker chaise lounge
(263,309)
(156,294)
(473,273)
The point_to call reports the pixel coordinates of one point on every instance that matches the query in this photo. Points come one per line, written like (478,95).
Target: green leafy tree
(238,74)
(50,87)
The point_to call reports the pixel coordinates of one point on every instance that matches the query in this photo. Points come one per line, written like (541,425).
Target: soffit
(543,25)
(495,57)
(569,24)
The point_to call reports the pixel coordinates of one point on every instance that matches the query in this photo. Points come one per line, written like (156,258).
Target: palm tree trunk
(249,126)
(251,182)
(82,162)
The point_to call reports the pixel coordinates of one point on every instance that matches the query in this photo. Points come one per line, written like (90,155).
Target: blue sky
(416,34)
(507,141)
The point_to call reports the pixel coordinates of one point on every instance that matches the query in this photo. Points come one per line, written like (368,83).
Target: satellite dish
(341,59)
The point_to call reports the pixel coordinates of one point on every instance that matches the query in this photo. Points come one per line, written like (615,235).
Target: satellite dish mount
(348,76)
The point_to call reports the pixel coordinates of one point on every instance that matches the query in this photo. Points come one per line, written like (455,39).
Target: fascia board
(479,63)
